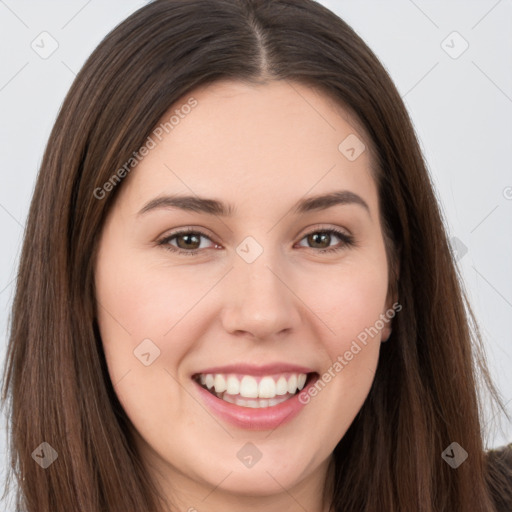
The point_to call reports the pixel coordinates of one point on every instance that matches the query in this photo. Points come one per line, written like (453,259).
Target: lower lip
(267,418)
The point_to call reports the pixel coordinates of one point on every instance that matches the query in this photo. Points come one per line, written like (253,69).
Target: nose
(260,300)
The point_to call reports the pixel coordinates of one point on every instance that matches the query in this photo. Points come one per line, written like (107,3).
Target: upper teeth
(249,387)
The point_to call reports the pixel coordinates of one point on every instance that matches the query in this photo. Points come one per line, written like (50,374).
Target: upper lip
(251,369)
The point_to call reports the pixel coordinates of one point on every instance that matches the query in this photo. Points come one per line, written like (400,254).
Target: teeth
(282,386)
(248,387)
(209,380)
(275,401)
(255,404)
(219,383)
(268,387)
(233,385)
(292,384)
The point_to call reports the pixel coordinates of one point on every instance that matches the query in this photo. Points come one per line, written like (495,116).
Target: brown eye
(319,238)
(186,242)
(189,241)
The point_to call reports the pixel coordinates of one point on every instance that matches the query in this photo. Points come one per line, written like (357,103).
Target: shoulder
(499,477)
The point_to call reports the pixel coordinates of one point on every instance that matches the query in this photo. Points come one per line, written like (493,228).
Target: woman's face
(249,301)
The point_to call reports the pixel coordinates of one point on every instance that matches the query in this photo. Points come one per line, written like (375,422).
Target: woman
(182,339)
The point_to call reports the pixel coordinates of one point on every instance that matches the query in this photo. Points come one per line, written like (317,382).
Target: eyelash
(347,241)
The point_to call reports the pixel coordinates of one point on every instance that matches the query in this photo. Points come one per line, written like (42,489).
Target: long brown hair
(425,393)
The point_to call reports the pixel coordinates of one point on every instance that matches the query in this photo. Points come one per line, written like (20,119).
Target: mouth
(251,391)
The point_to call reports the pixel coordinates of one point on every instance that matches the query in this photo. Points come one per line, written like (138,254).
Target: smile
(254,397)
(253,391)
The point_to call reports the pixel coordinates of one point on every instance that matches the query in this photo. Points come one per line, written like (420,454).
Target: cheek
(351,304)
(141,314)
(139,302)
(149,319)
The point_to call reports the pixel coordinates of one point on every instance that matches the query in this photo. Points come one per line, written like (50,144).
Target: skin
(261,148)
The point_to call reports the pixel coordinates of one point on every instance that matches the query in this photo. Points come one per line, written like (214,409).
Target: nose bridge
(258,277)
(259,300)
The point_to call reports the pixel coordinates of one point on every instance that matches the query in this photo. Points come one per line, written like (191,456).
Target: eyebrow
(218,208)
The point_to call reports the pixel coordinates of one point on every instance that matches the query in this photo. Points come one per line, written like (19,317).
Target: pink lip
(267,418)
(248,369)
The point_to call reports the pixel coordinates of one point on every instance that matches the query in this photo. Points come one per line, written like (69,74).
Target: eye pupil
(315,236)
(190,239)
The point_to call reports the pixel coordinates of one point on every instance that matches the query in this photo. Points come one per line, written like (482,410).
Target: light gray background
(461,108)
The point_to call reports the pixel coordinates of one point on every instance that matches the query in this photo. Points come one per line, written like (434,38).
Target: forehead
(254,143)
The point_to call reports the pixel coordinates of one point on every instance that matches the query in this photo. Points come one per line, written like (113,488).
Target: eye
(188,241)
(321,236)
